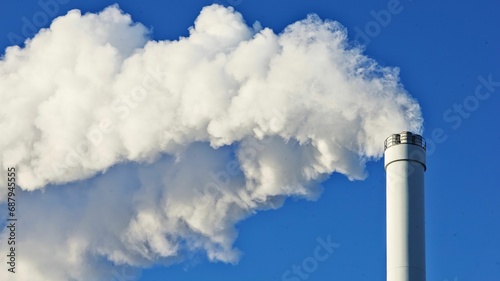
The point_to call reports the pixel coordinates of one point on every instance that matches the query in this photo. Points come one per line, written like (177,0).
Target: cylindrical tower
(405,166)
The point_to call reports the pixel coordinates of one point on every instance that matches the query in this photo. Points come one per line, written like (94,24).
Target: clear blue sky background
(442,47)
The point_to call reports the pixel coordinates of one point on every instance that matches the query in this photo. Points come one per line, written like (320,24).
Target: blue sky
(445,50)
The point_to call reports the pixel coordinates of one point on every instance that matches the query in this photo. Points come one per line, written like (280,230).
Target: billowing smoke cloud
(138,152)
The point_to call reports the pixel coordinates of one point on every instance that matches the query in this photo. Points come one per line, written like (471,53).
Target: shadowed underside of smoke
(137,152)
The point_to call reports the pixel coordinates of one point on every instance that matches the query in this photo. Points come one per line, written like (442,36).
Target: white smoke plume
(138,152)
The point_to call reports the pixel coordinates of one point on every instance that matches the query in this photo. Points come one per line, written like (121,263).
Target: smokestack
(405,166)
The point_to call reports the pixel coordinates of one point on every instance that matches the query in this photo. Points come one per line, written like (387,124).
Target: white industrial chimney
(405,166)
